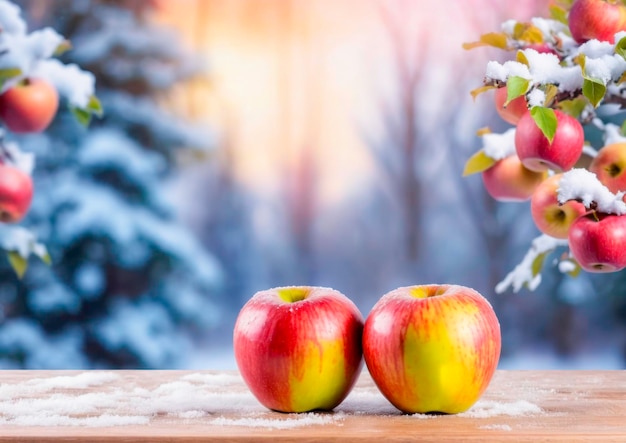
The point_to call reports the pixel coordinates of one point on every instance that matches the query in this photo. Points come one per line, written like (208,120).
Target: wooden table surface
(193,406)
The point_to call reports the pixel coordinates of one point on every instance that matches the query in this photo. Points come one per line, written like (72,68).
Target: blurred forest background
(251,144)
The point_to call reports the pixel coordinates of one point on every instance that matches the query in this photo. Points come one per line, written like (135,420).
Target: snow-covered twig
(524,274)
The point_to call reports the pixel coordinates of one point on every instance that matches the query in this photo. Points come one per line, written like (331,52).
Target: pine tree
(129,286)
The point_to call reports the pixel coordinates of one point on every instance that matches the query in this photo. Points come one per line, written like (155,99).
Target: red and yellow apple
(512,111)
(596,19)
(598,242)
(299,348)
(550,216)
(609,165)
(538,154)
(432,348)
(29,106)
(16,193)
(509,180)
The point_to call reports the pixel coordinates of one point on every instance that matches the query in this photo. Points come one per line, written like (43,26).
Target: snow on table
(182,406)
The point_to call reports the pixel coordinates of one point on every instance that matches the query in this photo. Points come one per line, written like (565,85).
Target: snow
(73,83)
(499,146)
(11,21)
(583,185)
(21,240)
(523,275)
(612,134)
(210,398)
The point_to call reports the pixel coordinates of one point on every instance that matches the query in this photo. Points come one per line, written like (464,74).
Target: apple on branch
(538,153)
(550,216)
(596,19)
(29,106)
(509,180)
(514,110)
(16,193)
(299,348)
(609,165)
(432,348)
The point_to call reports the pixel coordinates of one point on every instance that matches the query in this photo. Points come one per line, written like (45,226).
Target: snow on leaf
(495,39)
(526,273)
(545,118)
(478,162)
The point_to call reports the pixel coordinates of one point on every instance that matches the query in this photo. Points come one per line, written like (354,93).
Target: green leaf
(620,47)
(594,90)
(495,39)
(559,14)
(7,73)
(18,263)
(545,119)
(478,162)
(573,107)
(63,47)
(95,106)
(83,116)
(516,87)
(537,264)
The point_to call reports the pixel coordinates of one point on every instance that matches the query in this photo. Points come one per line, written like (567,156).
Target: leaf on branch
(476,92)
(520,57)
(527,32)
(18,263)
(537,264)
(516,87)
(620,47)
(63,47)
(558,13)
(95,106)
(83,115)
(8,73)
(545,119)
(487,130)
(594,90)
(478,162)
(573,107)
(551,91)
(622,79)
(495,39)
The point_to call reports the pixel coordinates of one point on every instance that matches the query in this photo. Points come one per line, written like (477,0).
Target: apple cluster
(32,81)
(567,74)
(428,348)
(28,106)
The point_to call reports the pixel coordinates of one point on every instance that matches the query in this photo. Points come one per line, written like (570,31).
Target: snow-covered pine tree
(129,286)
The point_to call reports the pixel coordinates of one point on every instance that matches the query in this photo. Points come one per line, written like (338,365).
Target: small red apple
(609,165)
(538,154)
(598,242)
(596,19)
(16,193)
(509,180)
(551,217)
(432,348)
(299,348)
(513,111)
(29,106)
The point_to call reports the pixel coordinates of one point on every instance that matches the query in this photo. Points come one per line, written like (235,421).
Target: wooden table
(194,406)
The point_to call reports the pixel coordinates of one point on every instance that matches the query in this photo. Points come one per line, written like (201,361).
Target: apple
(609,165)
(598,242)
(538,154)
(298,348)
(509,180)
(551,217)
(596,19)
(432,348)
(513,111)
(29,106)
(16,193)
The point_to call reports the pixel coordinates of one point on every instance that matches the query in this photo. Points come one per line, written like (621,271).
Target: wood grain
(575,406)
